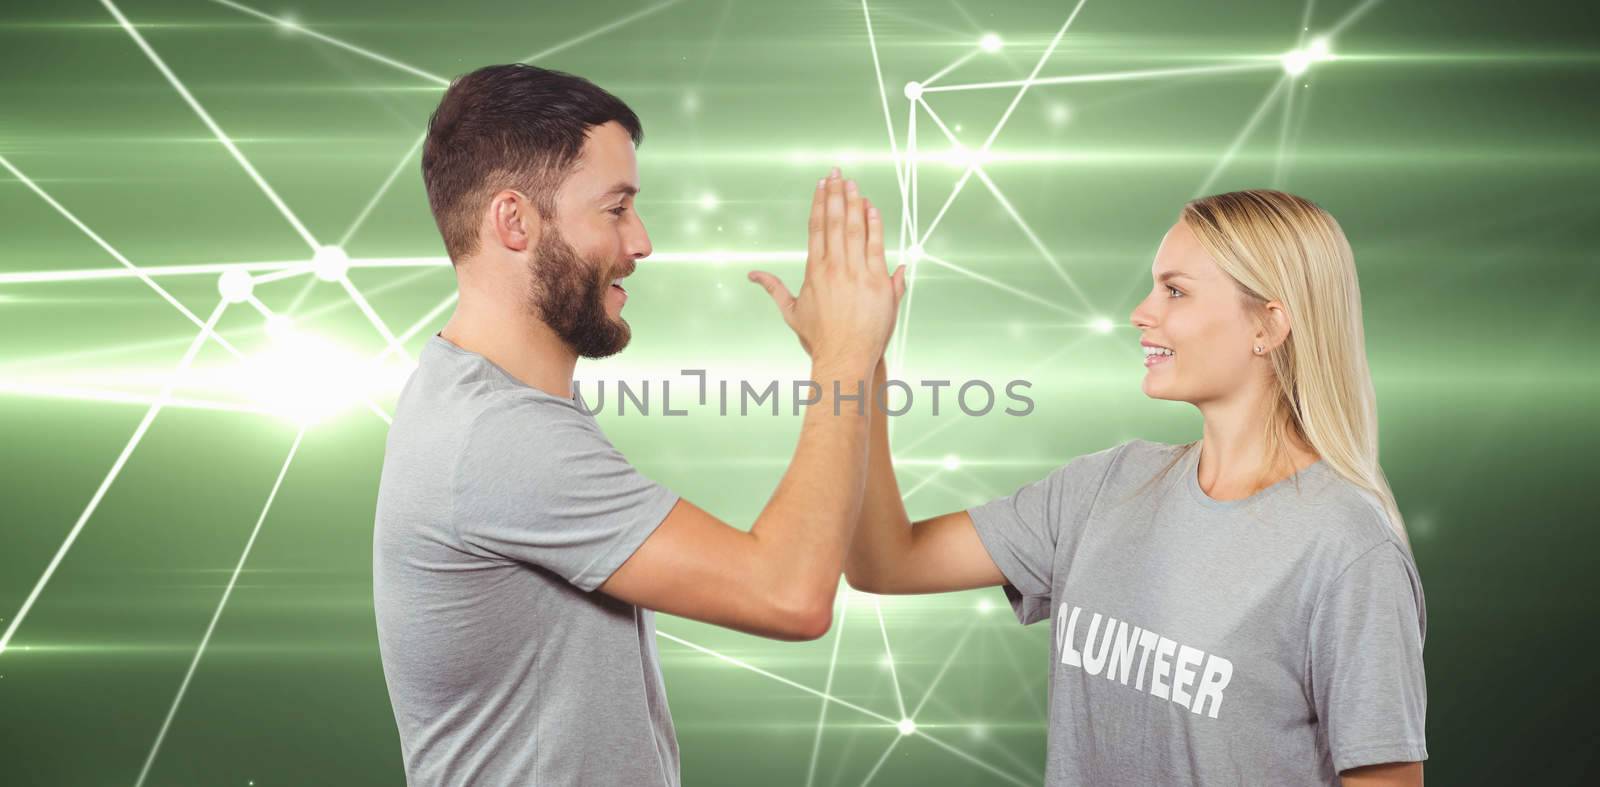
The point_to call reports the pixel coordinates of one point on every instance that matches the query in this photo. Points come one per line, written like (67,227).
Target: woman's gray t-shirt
(1271,640)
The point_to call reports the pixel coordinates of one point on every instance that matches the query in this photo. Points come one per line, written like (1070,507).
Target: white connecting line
(281,270)
(1282,88)
(906,174)
(827,683)
(227,142)
(205,640)
(907,181)
(888,722)
(207,327)
(116,468)
(205,117)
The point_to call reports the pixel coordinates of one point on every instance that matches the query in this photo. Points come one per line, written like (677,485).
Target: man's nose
(638,243)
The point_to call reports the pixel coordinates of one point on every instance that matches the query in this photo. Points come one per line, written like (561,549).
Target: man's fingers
(817,243)
(875,263)
(835,218)
(774,287)
(855,227)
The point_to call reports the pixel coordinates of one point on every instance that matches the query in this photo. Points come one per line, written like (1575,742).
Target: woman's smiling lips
(1155,354)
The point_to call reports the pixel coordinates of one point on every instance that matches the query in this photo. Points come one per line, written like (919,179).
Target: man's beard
(568,294)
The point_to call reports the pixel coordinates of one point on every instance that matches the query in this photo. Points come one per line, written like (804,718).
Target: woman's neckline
(1192,481)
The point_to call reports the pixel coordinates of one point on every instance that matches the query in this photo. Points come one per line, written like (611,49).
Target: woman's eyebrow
(1173,275)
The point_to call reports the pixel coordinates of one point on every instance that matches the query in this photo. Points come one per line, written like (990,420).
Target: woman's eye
(1175,290)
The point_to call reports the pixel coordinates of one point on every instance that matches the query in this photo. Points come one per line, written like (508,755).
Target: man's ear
(514,220)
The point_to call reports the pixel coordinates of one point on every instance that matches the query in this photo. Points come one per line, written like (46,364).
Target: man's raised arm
(779,578)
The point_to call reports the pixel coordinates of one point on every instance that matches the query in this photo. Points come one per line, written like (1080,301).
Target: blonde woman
(1242,609)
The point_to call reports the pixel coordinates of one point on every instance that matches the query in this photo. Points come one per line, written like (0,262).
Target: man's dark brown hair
(512,126)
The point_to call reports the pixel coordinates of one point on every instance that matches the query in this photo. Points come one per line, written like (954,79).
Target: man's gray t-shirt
(1271,640)
(501,508)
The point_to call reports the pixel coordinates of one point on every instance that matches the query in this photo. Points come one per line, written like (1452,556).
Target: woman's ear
(1275,328)
(513,220)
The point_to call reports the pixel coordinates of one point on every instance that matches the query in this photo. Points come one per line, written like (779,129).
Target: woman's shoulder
(1117,459)
(1348,519)
(1342,521)
(1140,458)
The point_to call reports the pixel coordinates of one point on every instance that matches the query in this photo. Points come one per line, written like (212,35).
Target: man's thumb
(774,287)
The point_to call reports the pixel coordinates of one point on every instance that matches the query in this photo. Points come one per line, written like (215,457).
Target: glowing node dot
(906,726)
(330,263)
(914,253)
(985,606)
(951,462)
(235,286)
(709,201)
(913,90)
(1320,49)
(1059,114)
(1102,325)
(990,42)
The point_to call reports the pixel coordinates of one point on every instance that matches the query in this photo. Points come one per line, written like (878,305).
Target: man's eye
(618,211)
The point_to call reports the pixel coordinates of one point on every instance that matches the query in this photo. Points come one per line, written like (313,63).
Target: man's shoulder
(519,414)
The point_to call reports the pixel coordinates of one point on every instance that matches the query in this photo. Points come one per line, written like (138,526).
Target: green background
(1452,140)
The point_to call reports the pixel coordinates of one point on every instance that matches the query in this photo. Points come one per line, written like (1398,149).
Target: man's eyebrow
(622,189)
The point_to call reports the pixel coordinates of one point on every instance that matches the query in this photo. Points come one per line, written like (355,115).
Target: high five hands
(846,308)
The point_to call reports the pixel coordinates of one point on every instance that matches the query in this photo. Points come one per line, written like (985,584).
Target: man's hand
(847,303)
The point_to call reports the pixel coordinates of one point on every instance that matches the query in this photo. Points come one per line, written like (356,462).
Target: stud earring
(1258,349)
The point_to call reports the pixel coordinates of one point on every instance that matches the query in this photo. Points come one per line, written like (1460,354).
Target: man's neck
(522,345)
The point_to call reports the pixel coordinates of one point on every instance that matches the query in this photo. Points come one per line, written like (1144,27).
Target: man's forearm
(805,528)
(884,530)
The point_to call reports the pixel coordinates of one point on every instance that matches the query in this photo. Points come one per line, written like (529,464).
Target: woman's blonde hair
(1280,247)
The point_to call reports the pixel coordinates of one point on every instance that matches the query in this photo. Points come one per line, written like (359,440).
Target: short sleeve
(1021,530)
(537,482)
(1366,672)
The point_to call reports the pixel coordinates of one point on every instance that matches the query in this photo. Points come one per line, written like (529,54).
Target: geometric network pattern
(309,380)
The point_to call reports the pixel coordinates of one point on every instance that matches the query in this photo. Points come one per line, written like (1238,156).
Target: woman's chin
(1155,391)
